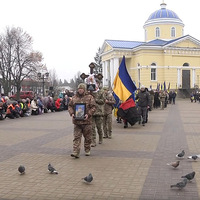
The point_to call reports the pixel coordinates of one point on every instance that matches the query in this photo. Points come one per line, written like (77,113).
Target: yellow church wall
(180,60)
(107,48)
(186,44)
(168,74)
(165,31)
(197,77)
(147,57)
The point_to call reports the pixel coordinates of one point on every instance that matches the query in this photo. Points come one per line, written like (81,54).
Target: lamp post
(43,77)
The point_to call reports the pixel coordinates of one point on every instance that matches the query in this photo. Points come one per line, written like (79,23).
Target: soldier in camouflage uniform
(98,115)
(107,118)
(82,127)
(162,97)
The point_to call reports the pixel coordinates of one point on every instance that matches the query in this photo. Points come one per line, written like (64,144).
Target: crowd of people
(91,111)
(195,96)
(146,100)
(10,108)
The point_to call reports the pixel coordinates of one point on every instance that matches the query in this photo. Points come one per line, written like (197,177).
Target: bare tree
(18,58)
(6,63)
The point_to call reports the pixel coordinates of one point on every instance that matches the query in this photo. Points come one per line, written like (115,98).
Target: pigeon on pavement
(181,155)
(174,164)
(21,169)
(180,185)
(194,157)
(51,169)
(189,176)
(88,178)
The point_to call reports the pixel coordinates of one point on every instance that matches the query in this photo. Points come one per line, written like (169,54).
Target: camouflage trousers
(97,123)
(86,131)
(107,125)
(162,104)
(143,113)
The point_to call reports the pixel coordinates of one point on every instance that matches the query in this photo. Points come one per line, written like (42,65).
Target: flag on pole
(123,84)
(164,86)
(129,112)
(169,87)
(158,86)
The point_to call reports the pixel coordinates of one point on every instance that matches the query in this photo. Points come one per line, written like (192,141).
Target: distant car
(24,95)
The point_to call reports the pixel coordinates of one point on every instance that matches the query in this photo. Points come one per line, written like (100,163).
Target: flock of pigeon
(187,177)
(52,170)
(179,185)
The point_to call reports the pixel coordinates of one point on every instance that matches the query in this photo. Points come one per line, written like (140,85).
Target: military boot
(100,139)
(93,144)
(75,155)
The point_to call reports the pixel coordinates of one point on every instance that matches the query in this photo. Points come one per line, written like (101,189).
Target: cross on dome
(163,5)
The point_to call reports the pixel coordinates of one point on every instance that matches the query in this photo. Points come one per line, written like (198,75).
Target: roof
(163,15)
(123,44)
(159,42)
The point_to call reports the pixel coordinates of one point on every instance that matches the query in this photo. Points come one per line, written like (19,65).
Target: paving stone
(131,165)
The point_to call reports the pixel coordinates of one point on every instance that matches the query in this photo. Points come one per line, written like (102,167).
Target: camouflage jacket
(162,96)
(100,101)
(90,107)
(108,107)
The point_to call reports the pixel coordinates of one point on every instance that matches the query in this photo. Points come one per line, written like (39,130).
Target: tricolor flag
(123,84)
(164,86)
(128,111)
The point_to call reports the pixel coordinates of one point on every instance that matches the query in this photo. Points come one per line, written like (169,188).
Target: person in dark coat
(156,99)
(143,103)
(173,96)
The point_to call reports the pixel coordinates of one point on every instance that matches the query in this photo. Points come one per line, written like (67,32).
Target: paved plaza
(131,165)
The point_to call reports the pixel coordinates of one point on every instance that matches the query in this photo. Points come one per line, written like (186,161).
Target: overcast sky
(69,32)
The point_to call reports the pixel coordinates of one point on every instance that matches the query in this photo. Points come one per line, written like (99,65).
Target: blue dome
(163,13)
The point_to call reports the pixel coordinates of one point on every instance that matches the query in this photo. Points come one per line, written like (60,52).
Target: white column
(178,77)
(107,73)
(193,77)
(111,71)
(115,67)
(104,72)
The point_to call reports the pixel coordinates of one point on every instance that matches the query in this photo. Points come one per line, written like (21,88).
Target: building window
(173,32)
(186,64)
(182,32)
(157,32)
(153,74)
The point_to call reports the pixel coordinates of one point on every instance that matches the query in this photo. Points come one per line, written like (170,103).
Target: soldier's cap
(82,86)
(143,87)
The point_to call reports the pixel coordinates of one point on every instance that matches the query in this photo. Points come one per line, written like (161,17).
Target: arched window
(186,64)
(153,72)
(157,32)
(173,32)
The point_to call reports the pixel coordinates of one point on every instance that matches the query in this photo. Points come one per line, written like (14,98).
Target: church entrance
(185,79)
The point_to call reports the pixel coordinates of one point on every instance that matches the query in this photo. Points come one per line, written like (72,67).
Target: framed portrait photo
(80,110)
(91,87)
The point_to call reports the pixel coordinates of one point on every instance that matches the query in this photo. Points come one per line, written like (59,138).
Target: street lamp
(43,77)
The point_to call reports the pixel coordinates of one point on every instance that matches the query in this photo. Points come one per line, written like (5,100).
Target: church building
(166,56)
